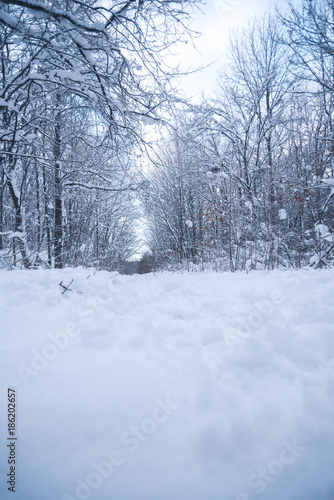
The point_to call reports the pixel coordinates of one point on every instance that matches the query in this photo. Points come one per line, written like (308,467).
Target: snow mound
(282,214)
(169,386)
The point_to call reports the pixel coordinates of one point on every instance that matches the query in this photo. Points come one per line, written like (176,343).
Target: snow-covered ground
(169,387)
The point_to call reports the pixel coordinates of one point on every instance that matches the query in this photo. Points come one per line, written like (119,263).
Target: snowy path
(169,387)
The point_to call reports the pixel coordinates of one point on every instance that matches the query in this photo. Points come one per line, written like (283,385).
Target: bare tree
(104,62)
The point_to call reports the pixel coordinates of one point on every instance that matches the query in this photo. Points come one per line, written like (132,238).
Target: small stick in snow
(66,288)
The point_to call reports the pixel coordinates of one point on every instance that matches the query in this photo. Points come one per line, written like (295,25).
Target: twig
(66,288)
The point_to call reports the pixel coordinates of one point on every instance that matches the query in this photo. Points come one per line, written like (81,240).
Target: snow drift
(169,386)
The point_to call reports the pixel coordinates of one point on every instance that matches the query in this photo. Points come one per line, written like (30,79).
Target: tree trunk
(18,224)
(2,189)
(47,218)
(58,220)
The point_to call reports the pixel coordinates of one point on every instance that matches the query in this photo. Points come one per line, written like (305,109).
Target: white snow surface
(282,214)
(169,386)
(323,232)
(249,205)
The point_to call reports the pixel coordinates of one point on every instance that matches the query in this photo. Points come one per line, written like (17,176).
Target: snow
(329,182)
(8,19)
(314,260)
(282,214)
(249,205)
(14,234)
(169,386)
(75,76)
(323,232)
(148,120)
(8,104)
(80,40)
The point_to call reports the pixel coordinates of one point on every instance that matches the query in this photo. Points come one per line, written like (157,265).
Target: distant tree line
(241,180)
(246,181)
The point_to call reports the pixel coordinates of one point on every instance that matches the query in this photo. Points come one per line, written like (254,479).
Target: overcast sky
(215,22)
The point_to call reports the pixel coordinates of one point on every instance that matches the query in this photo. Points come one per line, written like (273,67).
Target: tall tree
(106,61)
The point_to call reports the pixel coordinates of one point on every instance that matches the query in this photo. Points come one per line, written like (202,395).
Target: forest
(98,145)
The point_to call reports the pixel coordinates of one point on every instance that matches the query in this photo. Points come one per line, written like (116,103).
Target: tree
(309,36)
(78,59)
(245,182)
(251,116)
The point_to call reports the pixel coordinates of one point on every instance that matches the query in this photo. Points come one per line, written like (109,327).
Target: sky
(215,21)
